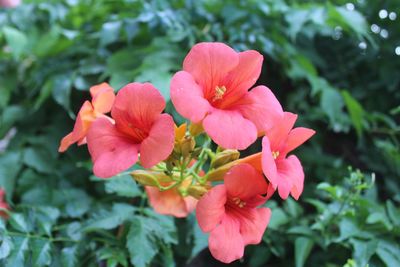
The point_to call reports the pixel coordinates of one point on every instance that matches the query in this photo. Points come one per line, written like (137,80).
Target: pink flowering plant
(196,166)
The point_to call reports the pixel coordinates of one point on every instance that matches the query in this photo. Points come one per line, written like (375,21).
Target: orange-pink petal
(244,182)
(209,63)
(211,208)
(229,129)
(111,150)
(136,107)
(262,108)
(159,144)
(225,242)
(170,202)
(188,97)
(102,97)
(297,137)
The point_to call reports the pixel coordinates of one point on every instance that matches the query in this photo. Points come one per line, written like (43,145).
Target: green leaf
(7,174)
(110,219)
(363,250)
(74,202)
(69,256)
(140,242)
(18,222)
(114,256)
(16,40)
(18,254)
(110,32)
(41,252)
(279,218)
(5,246)
(393,212)
(62,85)
(302,249)
(123,186)
(38,159)
(379,217)
(389,253)
(356,112)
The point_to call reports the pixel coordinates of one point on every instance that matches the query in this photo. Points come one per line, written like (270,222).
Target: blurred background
(335,63)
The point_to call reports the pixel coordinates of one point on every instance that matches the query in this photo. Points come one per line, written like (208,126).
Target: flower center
(275,154)
(219,93)
(238,202)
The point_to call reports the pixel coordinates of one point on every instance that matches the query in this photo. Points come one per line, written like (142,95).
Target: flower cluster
(180,170)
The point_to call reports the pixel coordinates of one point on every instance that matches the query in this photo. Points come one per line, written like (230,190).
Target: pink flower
(171,202)
(102,100)
(213,88)
(229,212)
(3,204)
(284,173)
(139,127)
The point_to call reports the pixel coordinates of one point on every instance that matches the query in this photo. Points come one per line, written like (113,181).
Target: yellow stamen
(219,92)
(275,154)
(239,202)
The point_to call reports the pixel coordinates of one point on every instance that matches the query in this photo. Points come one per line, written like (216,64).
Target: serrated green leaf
(389,253)
(110,219)
(18,222)
(19,251)
(40,252)
(141,243)
(123,186)
(7,174)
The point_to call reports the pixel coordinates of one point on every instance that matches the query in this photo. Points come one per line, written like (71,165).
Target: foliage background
(332,62)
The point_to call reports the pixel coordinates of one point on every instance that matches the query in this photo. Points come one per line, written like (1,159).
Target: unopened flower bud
(187,145)
(145,178)
(219,173)
(225,157)
(196,191)
(195,129)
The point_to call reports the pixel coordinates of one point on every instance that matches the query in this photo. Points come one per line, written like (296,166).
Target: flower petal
(244,182)
(136,107)
(83,121)
(262,108)
(253,223)
(102,97)
(169,202)
(279,133)
(188,97)
(160,142)
(297,137)
(211,208)
(243,76)
(291,177)
(111,150)
(229,129)
(225,241)
(268,163)
(209,63)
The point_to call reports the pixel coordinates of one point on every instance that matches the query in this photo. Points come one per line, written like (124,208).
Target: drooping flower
(139,127)
(285,173)
(229,212)
(171,202)
(3,204)
(102,100)
(213,88)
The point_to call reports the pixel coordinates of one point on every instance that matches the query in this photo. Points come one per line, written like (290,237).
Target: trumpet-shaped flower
(139,127)
(285,173)
(229,212)
(171,202)
(213,88)
(102,100)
